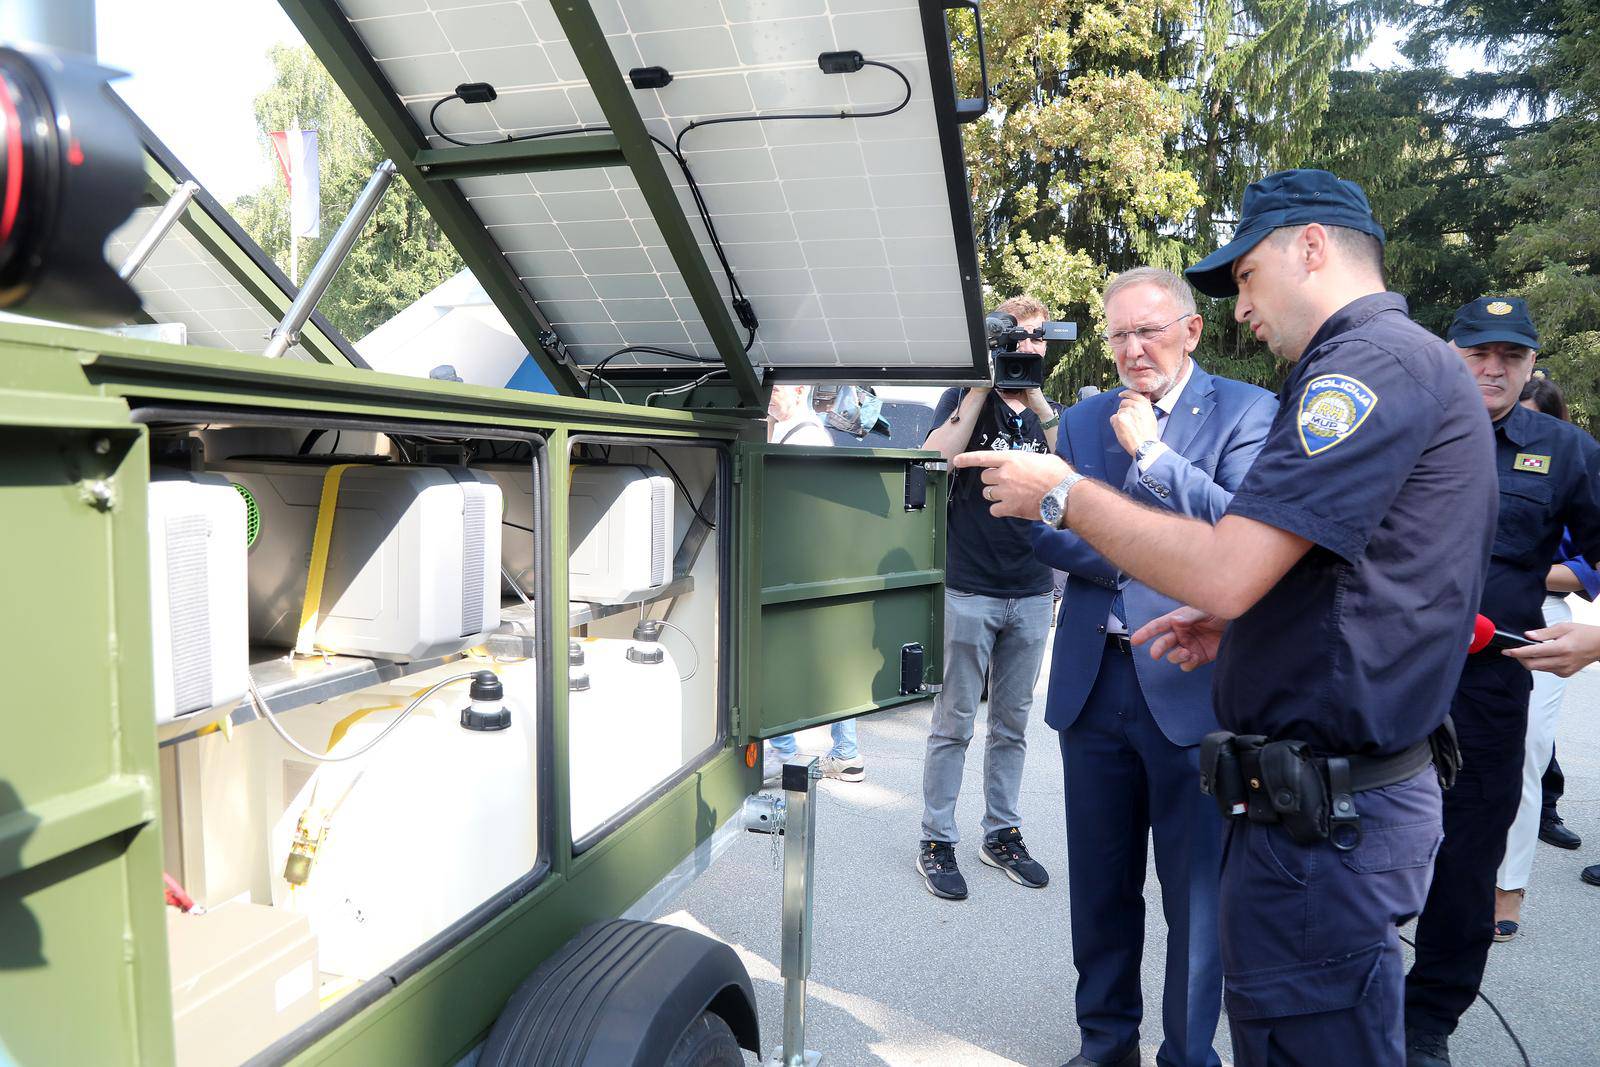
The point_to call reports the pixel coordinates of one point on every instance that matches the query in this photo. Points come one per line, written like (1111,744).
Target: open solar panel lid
(207,273)
(852,238)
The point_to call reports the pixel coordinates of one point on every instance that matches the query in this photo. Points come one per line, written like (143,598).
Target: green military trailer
(408,689)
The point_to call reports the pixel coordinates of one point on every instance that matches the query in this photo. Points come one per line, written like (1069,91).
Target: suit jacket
(1212,438)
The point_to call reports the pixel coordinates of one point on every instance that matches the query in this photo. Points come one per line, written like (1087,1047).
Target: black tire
(708,1042)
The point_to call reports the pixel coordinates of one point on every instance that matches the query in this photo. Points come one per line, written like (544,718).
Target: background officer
(1129,727)
(1346,633)
(1547,471)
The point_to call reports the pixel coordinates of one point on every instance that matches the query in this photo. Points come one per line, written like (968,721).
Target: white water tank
(419,831)
(412,566)
(198,536)
(624,732)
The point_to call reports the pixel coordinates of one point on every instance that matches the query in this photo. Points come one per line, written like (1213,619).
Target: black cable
(810,114)
(594,372)
(679,482)
(1512,1034)
(517,525)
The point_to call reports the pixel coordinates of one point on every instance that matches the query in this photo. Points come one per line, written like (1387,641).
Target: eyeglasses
(1145,334)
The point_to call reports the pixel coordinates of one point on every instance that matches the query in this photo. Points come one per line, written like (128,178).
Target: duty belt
(1312,796)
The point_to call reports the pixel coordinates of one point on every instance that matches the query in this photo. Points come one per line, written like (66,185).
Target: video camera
(71,171)
(1019,370)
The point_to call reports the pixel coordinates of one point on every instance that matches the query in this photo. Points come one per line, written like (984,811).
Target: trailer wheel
(629,994)
(708,1042)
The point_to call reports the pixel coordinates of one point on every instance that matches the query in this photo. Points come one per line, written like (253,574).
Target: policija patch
(1332,408)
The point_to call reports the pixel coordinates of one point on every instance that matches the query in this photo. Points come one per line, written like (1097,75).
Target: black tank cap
(575,653)
(645,655)
(486,686)
(647,630)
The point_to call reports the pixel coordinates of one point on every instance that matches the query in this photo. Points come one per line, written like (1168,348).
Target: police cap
(1287,198)
(1494,318)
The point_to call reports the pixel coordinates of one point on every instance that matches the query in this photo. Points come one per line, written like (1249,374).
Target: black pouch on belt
(1294,785)
(1220,776)
(1446,753)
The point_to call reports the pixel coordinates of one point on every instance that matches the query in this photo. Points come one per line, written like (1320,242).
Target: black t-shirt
(985,554)
(1380,456)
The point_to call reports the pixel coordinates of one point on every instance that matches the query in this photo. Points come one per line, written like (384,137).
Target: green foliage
(400,255)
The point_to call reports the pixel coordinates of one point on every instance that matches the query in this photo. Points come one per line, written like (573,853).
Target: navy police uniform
(1381,457)
(1548,473)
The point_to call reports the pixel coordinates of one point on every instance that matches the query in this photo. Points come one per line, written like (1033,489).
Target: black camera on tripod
(1020,370)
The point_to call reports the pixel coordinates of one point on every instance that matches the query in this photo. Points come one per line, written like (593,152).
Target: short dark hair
(1546,396)
(1361,249)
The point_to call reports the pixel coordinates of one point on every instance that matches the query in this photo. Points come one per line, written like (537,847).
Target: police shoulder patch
(1331,409)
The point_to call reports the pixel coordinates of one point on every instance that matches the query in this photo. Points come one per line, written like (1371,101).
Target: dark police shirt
(1548,471)
(985,554)
(1380,456)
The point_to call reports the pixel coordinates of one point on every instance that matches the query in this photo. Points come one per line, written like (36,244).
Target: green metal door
(842,569)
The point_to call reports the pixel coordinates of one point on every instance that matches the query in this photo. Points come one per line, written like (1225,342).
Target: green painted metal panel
(568,152)
(839,576)
(80,856)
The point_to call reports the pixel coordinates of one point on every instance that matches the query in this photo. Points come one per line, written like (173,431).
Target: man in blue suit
(1129,726)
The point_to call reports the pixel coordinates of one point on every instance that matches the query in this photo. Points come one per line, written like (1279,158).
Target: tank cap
(645,655)
(486,686)
(578,681)
(575,653)
(648,630)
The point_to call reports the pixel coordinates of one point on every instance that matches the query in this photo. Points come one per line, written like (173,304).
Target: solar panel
(182,282)
(848,236)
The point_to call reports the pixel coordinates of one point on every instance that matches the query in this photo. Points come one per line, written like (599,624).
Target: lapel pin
(1194,411)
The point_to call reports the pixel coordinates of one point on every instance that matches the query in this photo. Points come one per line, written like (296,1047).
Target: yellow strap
(306,641)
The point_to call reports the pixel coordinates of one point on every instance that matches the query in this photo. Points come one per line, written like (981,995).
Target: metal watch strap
(1061,491)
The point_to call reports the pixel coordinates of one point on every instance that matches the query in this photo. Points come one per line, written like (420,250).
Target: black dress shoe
(1427,1048)
(1591,874)
(1127,1059)
(1555,832)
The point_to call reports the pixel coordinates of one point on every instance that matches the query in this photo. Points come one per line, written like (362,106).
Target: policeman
(1343,633)
(1547,471)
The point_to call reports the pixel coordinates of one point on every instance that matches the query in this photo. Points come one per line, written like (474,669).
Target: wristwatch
(1145,449)
(1053,508)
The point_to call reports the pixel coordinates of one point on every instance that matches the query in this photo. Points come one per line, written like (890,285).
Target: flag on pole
(297,158)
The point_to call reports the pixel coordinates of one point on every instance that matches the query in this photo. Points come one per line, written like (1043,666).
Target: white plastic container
(419,831)
(624,734)
(516,542)
(413,562)
(198,536)
(619,533)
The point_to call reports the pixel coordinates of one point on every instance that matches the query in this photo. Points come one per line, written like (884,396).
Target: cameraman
(997,618)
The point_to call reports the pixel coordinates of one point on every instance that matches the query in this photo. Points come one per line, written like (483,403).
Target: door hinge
(936,465)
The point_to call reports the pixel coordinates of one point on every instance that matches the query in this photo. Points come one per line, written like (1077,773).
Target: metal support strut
(294,320)
(794,817)
(174,209)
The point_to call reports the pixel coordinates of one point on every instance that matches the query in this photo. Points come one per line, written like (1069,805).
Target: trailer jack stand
(794,816)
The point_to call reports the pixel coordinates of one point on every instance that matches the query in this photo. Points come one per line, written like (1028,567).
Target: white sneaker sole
(983,854)
(929,884)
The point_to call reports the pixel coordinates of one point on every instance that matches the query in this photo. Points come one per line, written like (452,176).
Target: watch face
(1050,509)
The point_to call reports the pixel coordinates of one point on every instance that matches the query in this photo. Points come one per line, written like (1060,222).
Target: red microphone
(1485,636)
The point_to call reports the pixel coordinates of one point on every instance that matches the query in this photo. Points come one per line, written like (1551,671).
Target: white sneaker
(853,769)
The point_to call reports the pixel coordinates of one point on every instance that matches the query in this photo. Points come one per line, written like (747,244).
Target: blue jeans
(844,742)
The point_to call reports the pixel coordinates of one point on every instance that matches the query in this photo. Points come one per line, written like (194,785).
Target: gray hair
(1175,287)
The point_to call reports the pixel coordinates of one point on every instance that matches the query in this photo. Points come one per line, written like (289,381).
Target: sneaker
(1427,1048)
(937,865)
(1006,851)
(772,768)
(846,770)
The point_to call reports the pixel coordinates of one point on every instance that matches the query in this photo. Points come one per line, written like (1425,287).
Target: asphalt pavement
(900,977)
